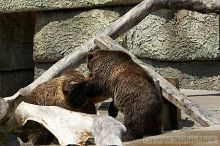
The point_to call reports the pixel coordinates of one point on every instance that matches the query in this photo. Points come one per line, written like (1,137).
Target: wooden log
(171,113)
(170,92)
(67,126)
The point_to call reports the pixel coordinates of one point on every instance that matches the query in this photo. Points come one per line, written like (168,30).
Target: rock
(192,75)
(40,68)
(40,5)
(16,41)
(59,32)
(176,36)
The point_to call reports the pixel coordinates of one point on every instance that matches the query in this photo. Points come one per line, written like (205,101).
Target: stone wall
(16,51)
(180,44)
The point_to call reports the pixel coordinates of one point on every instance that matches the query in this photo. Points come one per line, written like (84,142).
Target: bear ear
(90,56)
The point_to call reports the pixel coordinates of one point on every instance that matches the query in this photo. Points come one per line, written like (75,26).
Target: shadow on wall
(16,51)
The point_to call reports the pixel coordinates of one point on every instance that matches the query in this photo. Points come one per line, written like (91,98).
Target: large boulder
(40,5)
(192,75)
(176,36)
(59,32)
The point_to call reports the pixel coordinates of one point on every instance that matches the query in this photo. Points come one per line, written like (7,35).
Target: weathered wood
(71,127)
(3,108)
(170,92)
(171,113)
(67,126)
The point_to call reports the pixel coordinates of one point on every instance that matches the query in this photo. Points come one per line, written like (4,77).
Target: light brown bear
(57,92)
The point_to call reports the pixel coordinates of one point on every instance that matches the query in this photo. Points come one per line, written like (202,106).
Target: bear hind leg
(134,122)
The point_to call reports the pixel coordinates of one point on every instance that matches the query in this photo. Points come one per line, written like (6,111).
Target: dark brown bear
(134,91)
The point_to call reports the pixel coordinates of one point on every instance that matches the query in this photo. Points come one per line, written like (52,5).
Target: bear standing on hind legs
(134,91)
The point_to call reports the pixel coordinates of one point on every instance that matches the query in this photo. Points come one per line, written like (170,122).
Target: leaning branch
(170,92)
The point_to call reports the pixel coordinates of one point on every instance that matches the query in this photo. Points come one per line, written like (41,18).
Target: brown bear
(54,93)
(57,92)
(135,93)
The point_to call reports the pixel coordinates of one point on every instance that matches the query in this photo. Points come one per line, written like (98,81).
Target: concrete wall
(180,44)
(16,51)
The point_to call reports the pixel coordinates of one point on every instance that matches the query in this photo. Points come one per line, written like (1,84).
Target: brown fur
(51,92)
(134,91)
(55,92)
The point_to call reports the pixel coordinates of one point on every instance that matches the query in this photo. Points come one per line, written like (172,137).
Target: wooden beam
(171,113)
(170,92)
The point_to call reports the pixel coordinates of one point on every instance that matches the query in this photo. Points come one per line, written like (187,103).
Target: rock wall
(16,51)
(180,44)
(41,5)
(176,36)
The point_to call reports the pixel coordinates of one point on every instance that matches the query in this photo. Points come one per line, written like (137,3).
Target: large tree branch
(202,6)
(170,92)
(67,126)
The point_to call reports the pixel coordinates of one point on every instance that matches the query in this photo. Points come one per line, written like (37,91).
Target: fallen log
(170,92)
(67,126)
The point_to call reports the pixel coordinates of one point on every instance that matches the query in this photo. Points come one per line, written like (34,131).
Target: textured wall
(162,39)
(163,35)
(39,5)
(40,68)
(16,41)
(180,36)
(192,75)
(16,51)
(59,32)
(181,44)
